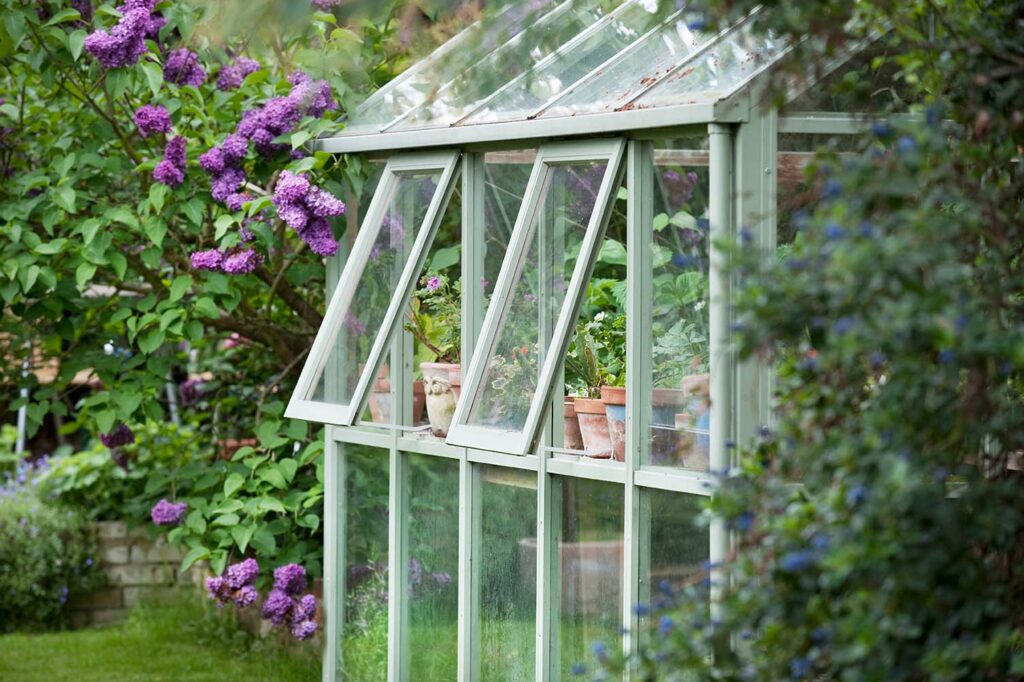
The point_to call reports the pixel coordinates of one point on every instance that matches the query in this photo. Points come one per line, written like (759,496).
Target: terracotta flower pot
(614,399)
(573,437)
(593,427)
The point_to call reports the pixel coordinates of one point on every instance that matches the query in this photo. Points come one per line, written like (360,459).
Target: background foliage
(894,322)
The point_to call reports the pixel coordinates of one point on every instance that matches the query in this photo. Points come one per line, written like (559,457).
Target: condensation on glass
(508,574)
(674,553)
(587,550)
(365,630)
(432,566)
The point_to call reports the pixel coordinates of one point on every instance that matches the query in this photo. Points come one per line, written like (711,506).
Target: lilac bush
(166,513)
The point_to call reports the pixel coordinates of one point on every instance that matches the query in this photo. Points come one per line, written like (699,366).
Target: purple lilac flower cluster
(236,584)
(261,125)
(183,68)
(238,261)
(126,41)
(166,513)
(171,170)
(307,209)
(121,435)
(325,5)
(284,605)
(152,120)
(232,75)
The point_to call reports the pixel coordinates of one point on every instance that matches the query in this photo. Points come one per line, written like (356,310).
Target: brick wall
(135,565)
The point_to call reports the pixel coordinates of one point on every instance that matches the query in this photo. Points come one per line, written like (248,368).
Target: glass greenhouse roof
(563,68)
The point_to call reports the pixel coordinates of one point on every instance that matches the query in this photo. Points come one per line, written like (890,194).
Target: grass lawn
(185,640)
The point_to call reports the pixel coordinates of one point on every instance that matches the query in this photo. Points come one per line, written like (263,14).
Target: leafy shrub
(156,465)
(46,556)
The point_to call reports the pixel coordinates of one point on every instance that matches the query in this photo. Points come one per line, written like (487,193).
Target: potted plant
(583,378)
(435,321)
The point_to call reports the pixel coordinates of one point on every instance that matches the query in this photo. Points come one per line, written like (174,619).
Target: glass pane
(506,174)
(649,59)
(461,52)
(469,88)
(538,86)
(365,632)
(433,567)
(589,559)
(508,574)
(674,552)
(557,229)
(394,235)
(717,72)
(680,407)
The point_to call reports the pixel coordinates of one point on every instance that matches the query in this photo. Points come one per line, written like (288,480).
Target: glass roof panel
(471,87)
(531,90)
(647,60)
(418,83)
(716,72)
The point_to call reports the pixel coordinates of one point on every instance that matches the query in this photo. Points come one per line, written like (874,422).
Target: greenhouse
(511,466)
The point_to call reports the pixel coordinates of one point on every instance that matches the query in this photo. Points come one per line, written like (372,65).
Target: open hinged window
(537,296)
(374,287)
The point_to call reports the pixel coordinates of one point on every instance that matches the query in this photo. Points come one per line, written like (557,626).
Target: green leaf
(270,504)
(242,535)
(612,252)
(179,286)
(445,258)
(154,76)
(89,229)
(264,542)
(288,467)
(226,520)
(274,478)
(195,554)
(65,198)
(660,222)
(258,204)
(151,340)
(120,214)
(300,138)
(64,15)
(205,307)
(84,273)
(222,224)
(155,230)
(196,522)
(232,484)
(128,401)
(28,276)
(311,521)
(218,561)
(157,194)
(105,420)
(76,39)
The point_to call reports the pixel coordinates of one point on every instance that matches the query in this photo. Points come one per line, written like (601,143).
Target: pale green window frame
(520,443)
(301,405)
